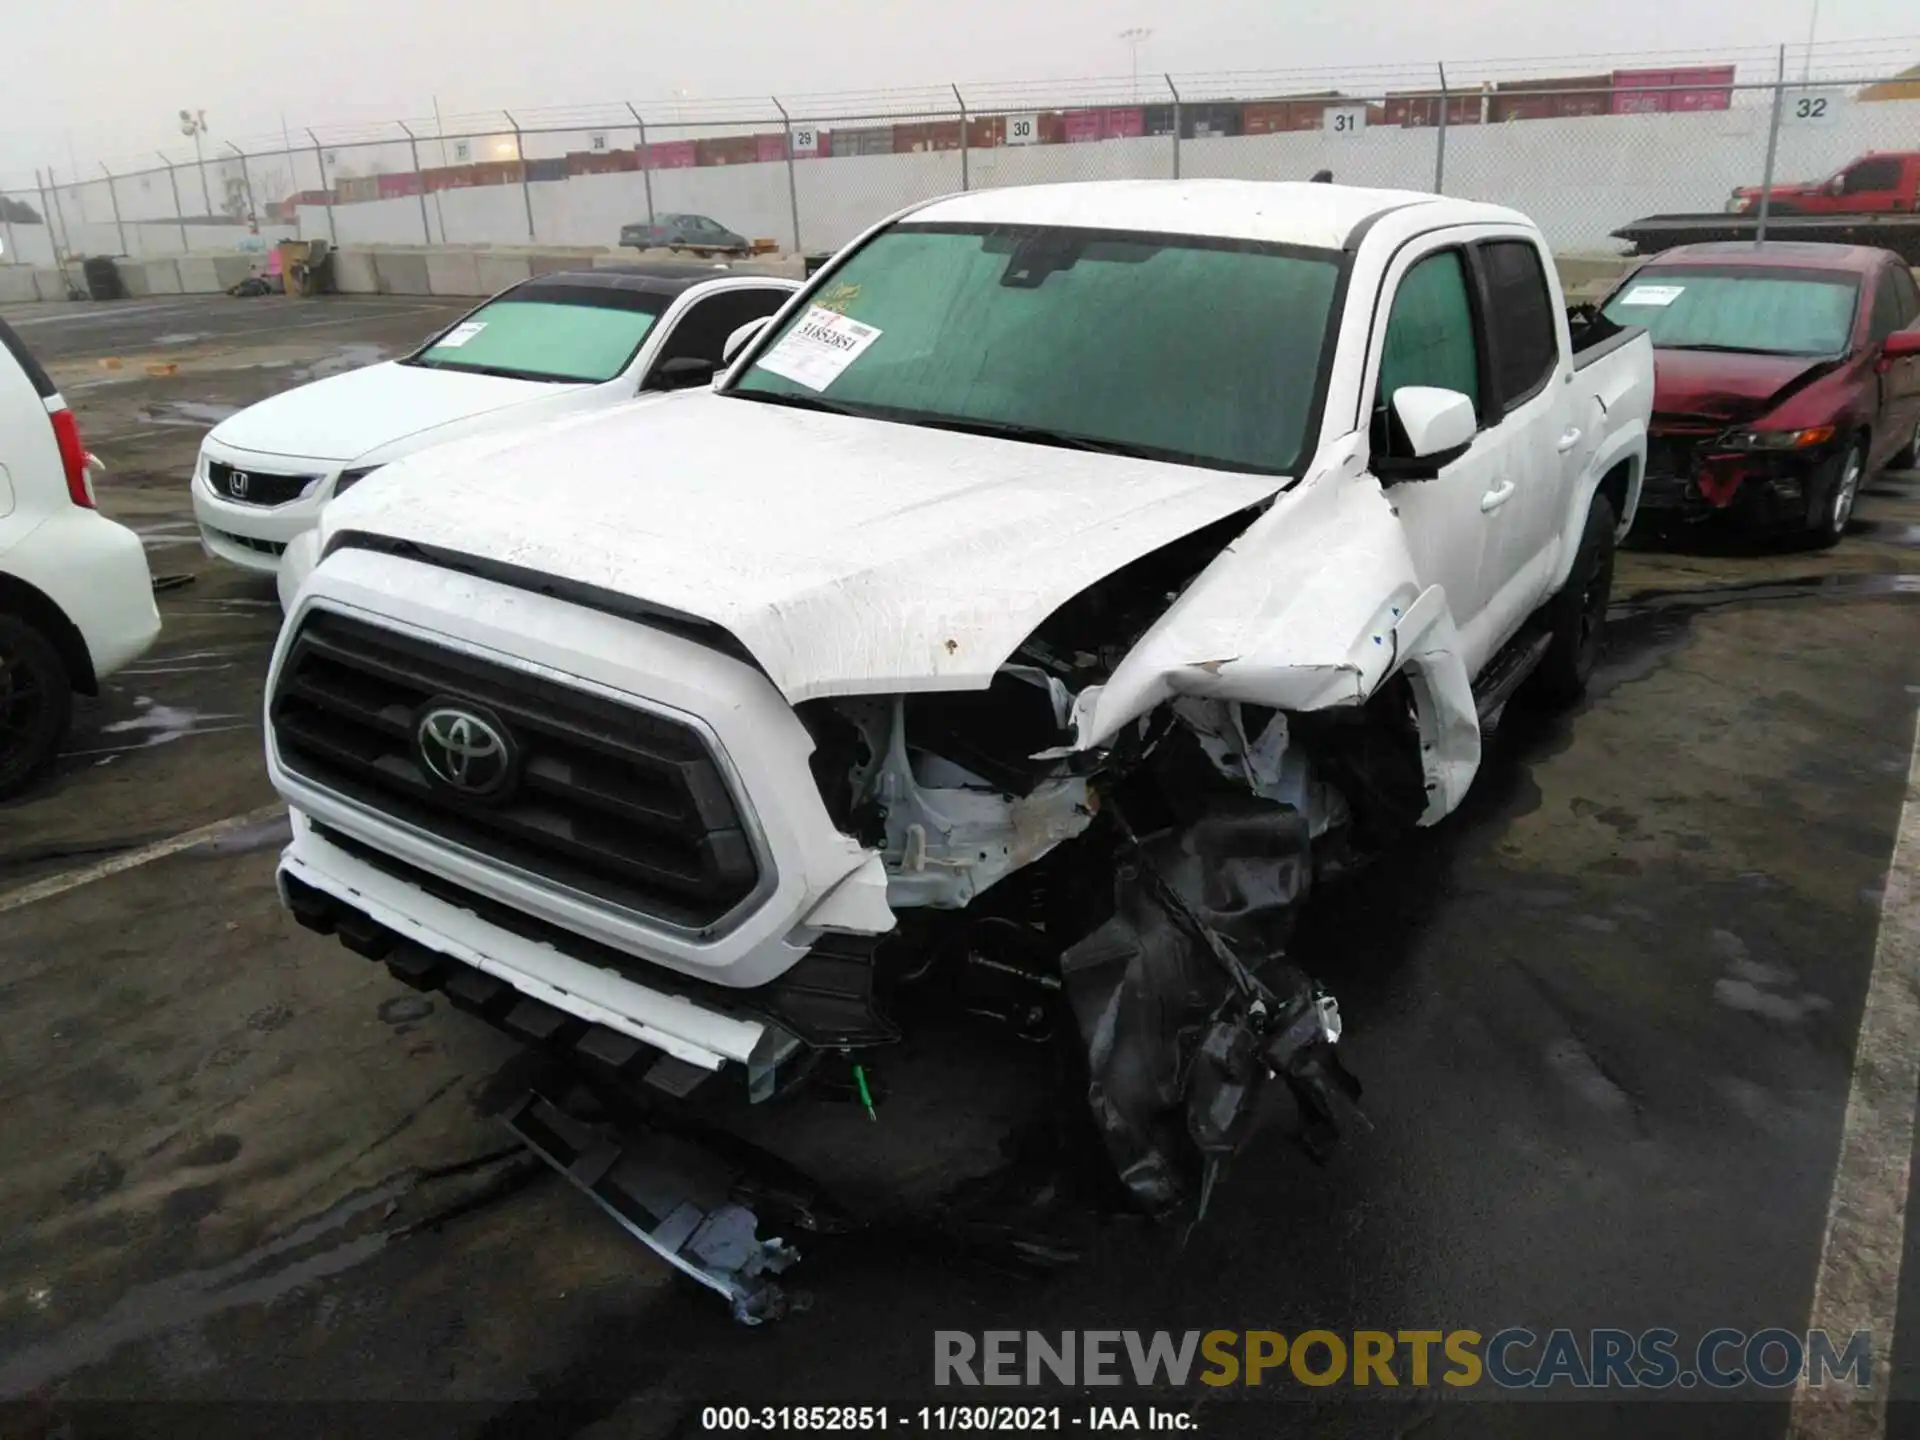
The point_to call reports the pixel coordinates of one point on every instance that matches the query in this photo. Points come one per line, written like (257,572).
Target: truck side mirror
(1900,344)
(738,340)
(682,373)
(1428,429)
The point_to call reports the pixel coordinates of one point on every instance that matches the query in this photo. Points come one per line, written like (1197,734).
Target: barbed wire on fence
(1684,134)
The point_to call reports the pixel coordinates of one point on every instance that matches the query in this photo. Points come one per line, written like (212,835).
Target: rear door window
(1520,321)
(1887,310)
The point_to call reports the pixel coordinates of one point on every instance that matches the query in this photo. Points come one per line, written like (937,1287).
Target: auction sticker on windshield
(1652,295)
(816,350)
(460,335)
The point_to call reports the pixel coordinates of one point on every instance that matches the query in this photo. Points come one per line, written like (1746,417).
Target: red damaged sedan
(1784,375)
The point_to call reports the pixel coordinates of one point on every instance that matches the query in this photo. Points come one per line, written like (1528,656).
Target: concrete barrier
(356,272)
(453,272)
(402,272)
(50,283)
(151,277)
(16,285)
(494,273)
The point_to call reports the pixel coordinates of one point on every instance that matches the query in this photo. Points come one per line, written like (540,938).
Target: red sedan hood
(1720,386)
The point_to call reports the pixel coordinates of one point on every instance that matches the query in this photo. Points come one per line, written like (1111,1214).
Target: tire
(1835,493)
(36,704)
(1577,616)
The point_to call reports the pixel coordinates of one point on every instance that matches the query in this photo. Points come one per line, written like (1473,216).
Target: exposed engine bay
(1145,889)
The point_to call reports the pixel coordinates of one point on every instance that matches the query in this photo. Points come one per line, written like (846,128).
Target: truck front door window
(1430,336)
(1870,175)
(1195,350)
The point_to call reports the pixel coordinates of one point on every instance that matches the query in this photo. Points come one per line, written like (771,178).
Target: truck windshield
(1741,308)
(1196,350)
(583,334)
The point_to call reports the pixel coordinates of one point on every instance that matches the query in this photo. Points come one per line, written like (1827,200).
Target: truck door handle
(1570,439)
(1496,497)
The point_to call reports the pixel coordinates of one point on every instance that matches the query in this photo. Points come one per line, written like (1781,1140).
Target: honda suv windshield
(1185,348)
(1744,309)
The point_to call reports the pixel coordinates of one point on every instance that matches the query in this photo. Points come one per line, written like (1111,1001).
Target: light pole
(1813,24)
(1134,37)
(193,123)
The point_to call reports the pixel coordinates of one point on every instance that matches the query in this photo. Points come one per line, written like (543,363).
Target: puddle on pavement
(200,414)
(187,338)
(157,724)
(1886,532)
(335,1241)
(356,356)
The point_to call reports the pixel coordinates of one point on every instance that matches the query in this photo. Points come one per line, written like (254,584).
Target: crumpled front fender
(1314,606)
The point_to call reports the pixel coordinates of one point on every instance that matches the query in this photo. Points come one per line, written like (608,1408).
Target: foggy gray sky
(104,80)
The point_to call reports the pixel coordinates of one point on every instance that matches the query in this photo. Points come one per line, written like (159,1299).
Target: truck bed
(1654,233)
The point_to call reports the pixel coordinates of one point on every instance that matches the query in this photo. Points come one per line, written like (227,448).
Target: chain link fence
(1585,154)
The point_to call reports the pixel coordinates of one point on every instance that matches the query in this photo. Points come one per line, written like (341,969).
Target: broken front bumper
(1694,481)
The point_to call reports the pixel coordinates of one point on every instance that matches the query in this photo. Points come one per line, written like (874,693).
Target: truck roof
(1279,212)
(1804,254)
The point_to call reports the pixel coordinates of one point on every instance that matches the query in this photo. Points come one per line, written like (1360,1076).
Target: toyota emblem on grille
(237,484)
(464,750)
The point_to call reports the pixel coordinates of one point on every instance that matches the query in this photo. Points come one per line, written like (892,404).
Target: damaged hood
(1717,385)
(848,556)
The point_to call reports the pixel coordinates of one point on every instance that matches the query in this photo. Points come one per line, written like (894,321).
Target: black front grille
(1672,454)
(250,487)
(612,801)
(247,542)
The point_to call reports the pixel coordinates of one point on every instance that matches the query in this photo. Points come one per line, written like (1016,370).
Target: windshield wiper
(1736,350)
(795,402)
(499,372)
(1008,430)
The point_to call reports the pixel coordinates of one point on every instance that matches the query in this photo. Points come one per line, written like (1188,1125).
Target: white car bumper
(813,878)
(95,570)
(254,533)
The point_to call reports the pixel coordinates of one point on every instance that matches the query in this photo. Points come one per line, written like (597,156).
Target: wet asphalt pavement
(1604,1016)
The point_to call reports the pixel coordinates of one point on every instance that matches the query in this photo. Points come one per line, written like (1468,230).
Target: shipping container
(398,187)
(450,177)
(672,155)
(357,189)
(986,132)
(1082,126)
(1215,118)
(1551,99)
(547,168)
(866,140)
(1294,112)
(602,162)
(1417,109)
(770,147)
(926,135)
(727,150)
(1655,92)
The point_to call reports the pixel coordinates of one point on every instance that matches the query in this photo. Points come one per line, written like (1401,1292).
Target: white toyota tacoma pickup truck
(1054,589)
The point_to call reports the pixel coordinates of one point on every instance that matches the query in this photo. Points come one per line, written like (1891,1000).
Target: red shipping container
(1266,117)
(1422,108)
(1123,123)
(672,155)
(1709,88)
(985,132)
(1082,125)
(1640,92)
(398,187)
(1551,99)
(727,150)
(771,147)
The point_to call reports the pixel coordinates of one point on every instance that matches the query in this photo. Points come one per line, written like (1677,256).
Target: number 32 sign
(1810,107)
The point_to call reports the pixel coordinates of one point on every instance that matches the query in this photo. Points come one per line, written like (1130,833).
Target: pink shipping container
(1655,92)
(1083,125)
(672,155)
(397,187)
(1124,123)
(772,147)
